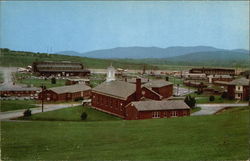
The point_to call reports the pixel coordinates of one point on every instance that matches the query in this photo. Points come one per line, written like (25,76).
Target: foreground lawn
(72,114)
(215,137)
(231,110)
(9,105)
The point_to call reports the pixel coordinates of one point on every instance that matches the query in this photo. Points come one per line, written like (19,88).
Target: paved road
(47,107)
(182,91)
(209,109)
(7,75)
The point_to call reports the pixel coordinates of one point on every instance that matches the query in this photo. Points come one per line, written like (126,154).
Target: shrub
(190,101)
(53,80)
(27,113)
(224,95)
(84,116)
(211,98)
(78,99)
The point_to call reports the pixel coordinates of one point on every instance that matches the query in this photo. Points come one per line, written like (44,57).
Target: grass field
(22,78)
(39,82)
(204,98)
(233,110)
(214,137)
(9,105)
(73,114)
(1,77)
(26,58)
(196,109)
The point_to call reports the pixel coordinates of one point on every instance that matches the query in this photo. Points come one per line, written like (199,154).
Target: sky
(52,26)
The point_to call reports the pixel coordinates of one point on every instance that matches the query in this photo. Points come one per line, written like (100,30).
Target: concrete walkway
(209,109)
(47,107)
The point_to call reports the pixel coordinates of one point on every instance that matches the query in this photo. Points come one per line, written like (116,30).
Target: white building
(110,74)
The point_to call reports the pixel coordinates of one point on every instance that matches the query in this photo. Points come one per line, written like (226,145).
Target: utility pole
(43,87)
(248,92)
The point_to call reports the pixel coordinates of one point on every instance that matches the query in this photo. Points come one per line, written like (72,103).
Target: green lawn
(9,105)
(214,137)
(1,77)
(39,82)
(234,110)
(196,109)
(73,114)
(203,98)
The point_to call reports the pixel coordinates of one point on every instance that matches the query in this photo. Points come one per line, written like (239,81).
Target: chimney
(138,92)
(166,78)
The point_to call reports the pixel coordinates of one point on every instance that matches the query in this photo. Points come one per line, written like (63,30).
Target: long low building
(65,93)
(63,68)
(156,109)
(213,71)
(18,91)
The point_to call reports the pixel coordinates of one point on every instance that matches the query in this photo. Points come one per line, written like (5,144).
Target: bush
(53,80)
(78,99)
(224,95)
(190,101)
(27,113)
(84,116)
(211,98)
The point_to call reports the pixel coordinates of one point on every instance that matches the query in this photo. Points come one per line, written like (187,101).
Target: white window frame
(155,114)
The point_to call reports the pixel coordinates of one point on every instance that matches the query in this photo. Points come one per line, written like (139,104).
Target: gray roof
(70,89)
(18,88)
(157,83)
(63,70)
(240,81)
(160,105)
(116,88)
(221,76)
(133,80)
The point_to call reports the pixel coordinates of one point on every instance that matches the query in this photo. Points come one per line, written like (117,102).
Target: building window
(155,115)
(174,113)
(165,114)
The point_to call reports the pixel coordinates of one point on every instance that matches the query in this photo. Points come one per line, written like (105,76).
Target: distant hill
(146,52)
(71,53)
(223,58)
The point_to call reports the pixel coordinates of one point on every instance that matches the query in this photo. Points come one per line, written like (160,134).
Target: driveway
(7,75)
(209,109)
(47,107)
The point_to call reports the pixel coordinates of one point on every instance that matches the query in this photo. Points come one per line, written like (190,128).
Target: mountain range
(197,55)
(147,52)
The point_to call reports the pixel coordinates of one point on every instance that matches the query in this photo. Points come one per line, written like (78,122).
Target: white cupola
(110,74)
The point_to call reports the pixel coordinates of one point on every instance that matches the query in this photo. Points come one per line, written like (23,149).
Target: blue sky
(84,26)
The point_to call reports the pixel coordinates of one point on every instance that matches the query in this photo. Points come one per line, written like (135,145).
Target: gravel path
(47,107)
(209,109)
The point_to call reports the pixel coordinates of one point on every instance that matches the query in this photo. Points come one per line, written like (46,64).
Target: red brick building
(113,96)
(18,91)
(66,93)
(161,87)
(225,78)
(156,109)
(238,89)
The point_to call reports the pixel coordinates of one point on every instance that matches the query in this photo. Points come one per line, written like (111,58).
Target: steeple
(110,73)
